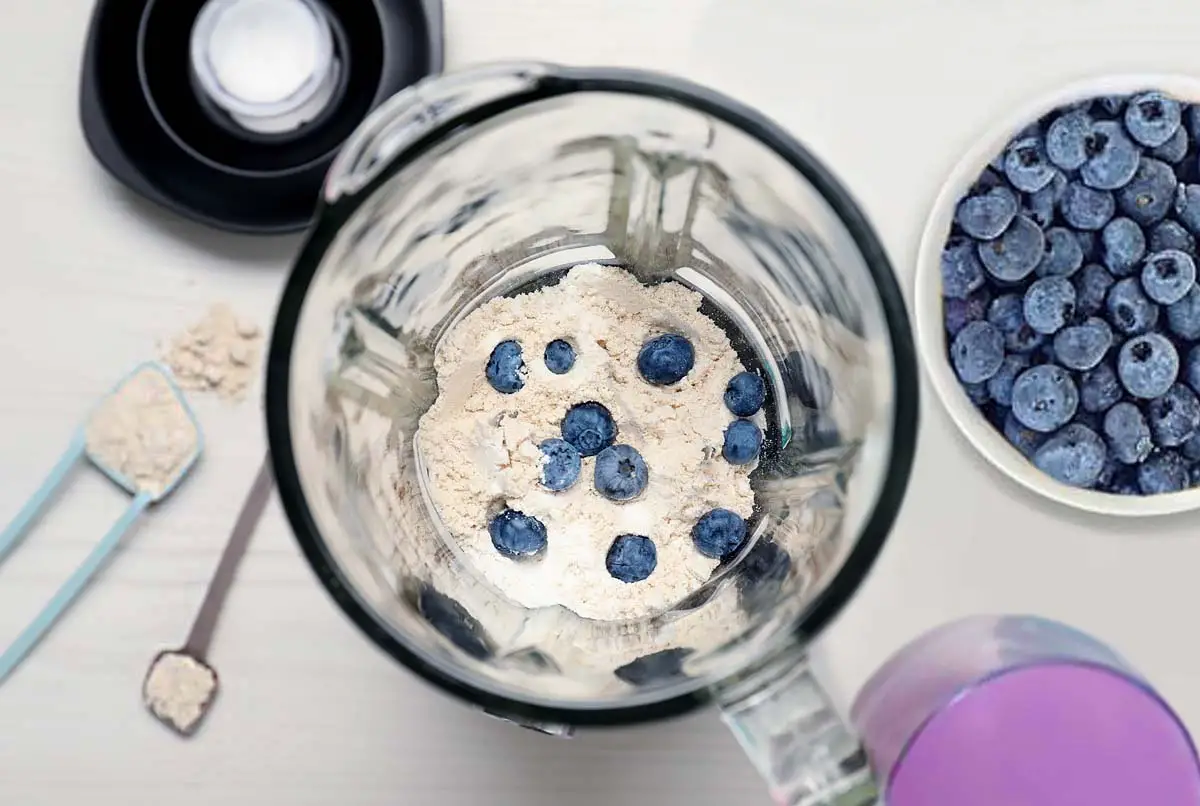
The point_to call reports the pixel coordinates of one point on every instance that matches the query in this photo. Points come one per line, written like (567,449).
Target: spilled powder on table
(221,353)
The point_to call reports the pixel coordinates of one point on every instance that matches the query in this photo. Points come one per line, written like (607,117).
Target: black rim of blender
(562,81)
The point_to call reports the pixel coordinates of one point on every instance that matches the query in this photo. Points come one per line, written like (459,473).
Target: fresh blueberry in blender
(1171,235)
(1187,206)
(621,473)
(719,533)
(1091,288)
(977,352)
(962,273)
(1165,472)
(454,623)
(1130,311)
(1063,255)
(1183,317)
(1082,346)
(761,575)
(1044,398)
(1174,150)
(506,368)
(561,464)
(1074,455)
(1086,208)
(1191,368)
(1124,245)
(1026,165)
(1011,257)
(1049,304)
(589,427)
(1099,388)
(745,393)
(1112,158)
(1147,365)
(517,535)
(1174,417)
(1025,440)
(1151,118)
(661,665)
(1000,385)
(1040,205)
(666,359)
(559,356)
(631,558)
(1007,314)
(1168,276)
(1148,197)
(1128,433)
(1067,139)
(988,214)
(743,439)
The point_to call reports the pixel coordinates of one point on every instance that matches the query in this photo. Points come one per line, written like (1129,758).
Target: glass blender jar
(496,180)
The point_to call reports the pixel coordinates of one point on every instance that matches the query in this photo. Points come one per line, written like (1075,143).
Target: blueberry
(1150,194)
(743,439)
(1168,276)
(1183,317)
(631,558)
(962,273)
(1172,235)
(1193,121)
(1007,313)
(761,575)
(1026,165)
(1040,205)
(1128,433)
(517,535)
(1191,451)
(1151,118)
(454,623)
(506,368)
(1130,311)
(589,427)
(1000,385)
(745,394)
(1165,472)
(1075,455)
(1063,255)
(977,352)
(1086,208)
(1124,481)
(1175,149)
(1044,398)
(1091,288)
(718,533)
(1187,206)
(1112,158)
(978,393)
(1191,370)
(1025,440)
(1049,304)
(1099,388)
(1016,253)
(1147,365)
(561,464)
(620,473)
(1174,417)
(666,359)
(559,357)
(1083,346)
(1194,476)
(1067,140)
(661,665)
(1112,105)
(985,216)
(1124,245)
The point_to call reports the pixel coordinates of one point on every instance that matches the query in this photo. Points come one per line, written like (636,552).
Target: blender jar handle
(785,723)
(416,112)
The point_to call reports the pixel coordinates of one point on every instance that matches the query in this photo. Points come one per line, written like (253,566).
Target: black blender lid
(230,112)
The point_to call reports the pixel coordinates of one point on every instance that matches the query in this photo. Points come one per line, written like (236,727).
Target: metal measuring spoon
(180,685)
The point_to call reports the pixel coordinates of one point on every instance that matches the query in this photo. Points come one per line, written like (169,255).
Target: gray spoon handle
(218,589)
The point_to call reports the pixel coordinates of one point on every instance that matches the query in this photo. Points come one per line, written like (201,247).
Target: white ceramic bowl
(931,335)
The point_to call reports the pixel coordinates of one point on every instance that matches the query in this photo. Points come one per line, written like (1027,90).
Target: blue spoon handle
(71,589)
(20,524)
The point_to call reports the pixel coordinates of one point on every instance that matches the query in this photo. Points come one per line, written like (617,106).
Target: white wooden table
(888,93)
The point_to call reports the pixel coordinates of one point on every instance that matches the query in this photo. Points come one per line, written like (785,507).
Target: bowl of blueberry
(1057,308)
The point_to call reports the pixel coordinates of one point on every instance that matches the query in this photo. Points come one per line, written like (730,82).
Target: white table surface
(888,93)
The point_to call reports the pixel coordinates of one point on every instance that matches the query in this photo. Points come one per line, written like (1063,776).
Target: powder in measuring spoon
(143,432)
(178,690)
